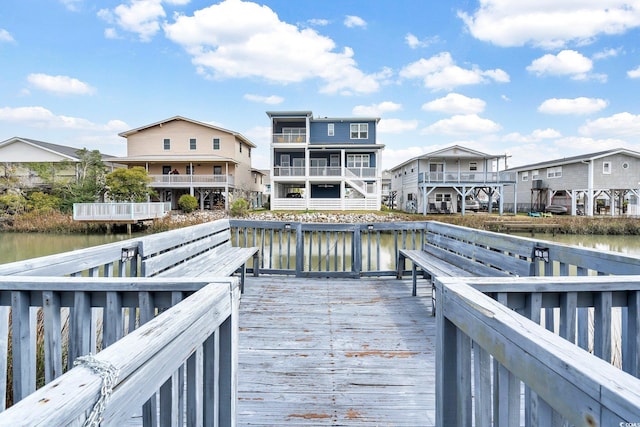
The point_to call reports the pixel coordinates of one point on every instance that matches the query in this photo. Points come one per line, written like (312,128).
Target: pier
(326,335)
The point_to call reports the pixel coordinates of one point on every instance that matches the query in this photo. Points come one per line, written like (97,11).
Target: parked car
(470,204)
(556,209)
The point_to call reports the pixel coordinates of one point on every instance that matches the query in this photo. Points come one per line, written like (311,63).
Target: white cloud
(535,136)
(236,39)
(454,103)
(414,42)
(72,5)
(581,145)
(550,24)
(440,72)
(351,21)
(607,53)
(317,22)
(5,36)
(467,124)
(271,100)
(60,85)
(40,117)
(634,74)
(620,125)
(138,16)
(111,33)
(396,125)
(578,106)
(566,62)
(376,110)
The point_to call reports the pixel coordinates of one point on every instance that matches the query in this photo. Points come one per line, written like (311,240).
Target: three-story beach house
(454,179)
(184,156)
(324,163)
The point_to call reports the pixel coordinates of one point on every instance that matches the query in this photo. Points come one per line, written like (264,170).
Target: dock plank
(335,352)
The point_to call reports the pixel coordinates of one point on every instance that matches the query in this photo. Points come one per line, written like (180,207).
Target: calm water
(19,246)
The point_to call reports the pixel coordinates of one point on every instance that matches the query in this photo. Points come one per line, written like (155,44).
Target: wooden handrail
(146,359)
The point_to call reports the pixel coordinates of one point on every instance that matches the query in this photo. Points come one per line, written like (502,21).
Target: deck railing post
(446,366)
(356,248)
(299,249)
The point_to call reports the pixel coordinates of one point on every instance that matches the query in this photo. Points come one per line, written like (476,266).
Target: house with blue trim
(322,163)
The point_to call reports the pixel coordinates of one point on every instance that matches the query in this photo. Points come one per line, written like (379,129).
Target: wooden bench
(196,251)
(453,251)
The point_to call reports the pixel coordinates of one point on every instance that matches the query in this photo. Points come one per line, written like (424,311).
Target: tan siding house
(184,156)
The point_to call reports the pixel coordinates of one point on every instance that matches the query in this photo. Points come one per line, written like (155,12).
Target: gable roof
(70,153)
(576,159)
(195,122)
(453,151)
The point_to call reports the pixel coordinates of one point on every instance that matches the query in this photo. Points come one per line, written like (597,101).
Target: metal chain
(109,375)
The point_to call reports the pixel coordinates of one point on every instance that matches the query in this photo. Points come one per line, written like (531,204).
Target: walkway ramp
(335,352)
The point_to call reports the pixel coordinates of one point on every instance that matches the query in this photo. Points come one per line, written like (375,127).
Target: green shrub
(188,203)
(42,202)
(12,203)
(239,207)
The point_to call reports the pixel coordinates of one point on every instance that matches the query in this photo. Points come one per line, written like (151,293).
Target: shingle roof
(575,159)
(64,150)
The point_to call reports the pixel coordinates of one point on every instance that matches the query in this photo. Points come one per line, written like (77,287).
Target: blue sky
(538,80)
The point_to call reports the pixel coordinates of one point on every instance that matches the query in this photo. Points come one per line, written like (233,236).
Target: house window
(330,129)
(359,130)
(554,172)
(443,197)
(192,144)
(535,174)
(606,168)
(216,143)
(473,166)
(357,160)
(525,176)
(217,170)
(240,146)
(285,160)
(625,165)
(249,152)
(167,144)
(189,170)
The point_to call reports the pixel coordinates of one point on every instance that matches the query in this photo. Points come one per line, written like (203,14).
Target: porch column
(590,192)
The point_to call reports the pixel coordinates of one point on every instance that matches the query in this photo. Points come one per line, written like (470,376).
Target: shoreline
(56,222)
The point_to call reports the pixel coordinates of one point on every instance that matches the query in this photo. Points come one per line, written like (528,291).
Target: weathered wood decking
(335,352)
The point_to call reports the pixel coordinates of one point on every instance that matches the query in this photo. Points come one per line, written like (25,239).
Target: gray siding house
(449,180)
(606,182)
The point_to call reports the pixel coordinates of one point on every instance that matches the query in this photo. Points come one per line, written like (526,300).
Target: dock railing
(489,348)
(327,249)
(98,316)
(187,355)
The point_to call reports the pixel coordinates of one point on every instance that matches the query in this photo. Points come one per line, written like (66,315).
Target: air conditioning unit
(537,184)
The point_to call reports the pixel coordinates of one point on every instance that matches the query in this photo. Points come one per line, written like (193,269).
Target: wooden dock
(335,352)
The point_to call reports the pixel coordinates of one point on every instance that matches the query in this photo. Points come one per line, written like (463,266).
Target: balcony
(324,171)
(178,181)
(290,138)
(466,177)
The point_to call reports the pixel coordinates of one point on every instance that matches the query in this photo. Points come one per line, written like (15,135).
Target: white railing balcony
(283,138)
(177,180)
(325,171)
(470,177)
(363,172)
(288,171)
(120,211)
